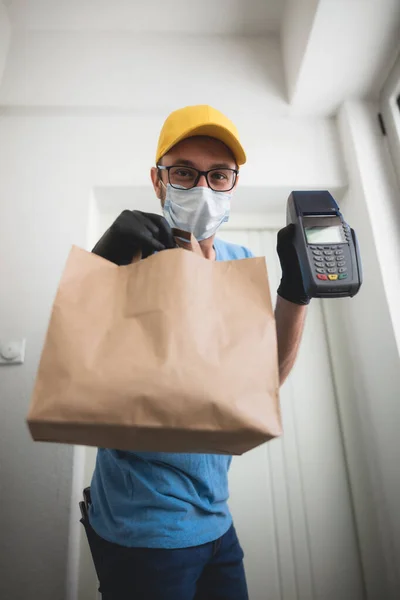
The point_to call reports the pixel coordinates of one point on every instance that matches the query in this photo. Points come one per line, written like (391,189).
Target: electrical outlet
(12,352)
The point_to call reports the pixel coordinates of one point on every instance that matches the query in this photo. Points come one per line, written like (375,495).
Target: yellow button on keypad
(332,277)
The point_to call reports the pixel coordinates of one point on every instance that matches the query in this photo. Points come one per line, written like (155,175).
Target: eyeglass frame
(200,173)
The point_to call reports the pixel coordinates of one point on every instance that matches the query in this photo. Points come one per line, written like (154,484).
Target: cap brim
(218,132)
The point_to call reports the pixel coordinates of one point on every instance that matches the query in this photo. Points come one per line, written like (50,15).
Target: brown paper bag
(174,353)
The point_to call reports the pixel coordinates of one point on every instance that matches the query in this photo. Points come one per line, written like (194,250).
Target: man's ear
(156,182)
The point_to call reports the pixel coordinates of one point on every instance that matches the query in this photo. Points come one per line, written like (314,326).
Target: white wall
(336,49)
(144,71)
(225,16)
(5,36)
(299,17)
(390,111)
(371,174)
(365,354)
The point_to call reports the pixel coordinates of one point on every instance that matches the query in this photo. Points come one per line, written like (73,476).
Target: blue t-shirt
(158,499)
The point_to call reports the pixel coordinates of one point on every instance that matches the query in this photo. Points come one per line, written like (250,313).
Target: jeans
(212,571)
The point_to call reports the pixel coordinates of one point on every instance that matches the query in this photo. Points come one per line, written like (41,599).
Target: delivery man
(160,527)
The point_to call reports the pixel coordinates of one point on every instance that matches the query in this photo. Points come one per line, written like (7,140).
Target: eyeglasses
(219,180)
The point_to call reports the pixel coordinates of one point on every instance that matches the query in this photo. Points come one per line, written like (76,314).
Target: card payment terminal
(325,244)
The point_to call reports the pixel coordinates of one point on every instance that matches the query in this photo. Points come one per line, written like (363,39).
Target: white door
(290,498)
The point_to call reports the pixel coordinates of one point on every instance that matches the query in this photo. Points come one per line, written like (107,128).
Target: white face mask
(199,210)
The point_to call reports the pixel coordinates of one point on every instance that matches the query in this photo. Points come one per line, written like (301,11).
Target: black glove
(133,232)
(291,287)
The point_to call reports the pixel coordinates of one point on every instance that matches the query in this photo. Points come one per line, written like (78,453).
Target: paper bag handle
(184,239)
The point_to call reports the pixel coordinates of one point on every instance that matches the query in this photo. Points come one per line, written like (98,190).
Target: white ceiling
(247,17)
(331,50)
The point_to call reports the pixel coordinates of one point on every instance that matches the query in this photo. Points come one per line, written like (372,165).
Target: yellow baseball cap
(199,120)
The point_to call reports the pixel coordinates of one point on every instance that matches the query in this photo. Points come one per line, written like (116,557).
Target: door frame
(77,577)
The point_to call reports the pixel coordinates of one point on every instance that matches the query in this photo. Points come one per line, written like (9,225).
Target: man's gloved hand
(291,287)
(133,232)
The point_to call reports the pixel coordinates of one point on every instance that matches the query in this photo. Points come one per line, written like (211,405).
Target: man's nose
(202,182)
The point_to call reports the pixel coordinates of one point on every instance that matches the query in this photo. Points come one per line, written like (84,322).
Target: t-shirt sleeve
(247,253)
(229,251)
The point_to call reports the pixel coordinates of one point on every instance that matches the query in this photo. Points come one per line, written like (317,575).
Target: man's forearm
(290,320)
